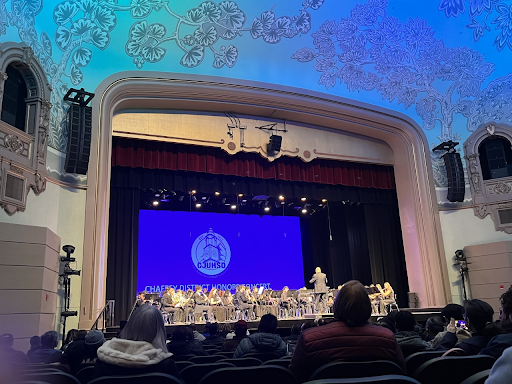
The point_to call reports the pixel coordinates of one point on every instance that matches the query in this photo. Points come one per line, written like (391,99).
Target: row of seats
(435,370)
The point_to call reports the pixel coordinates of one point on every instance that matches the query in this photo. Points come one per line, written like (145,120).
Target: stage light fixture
(281,197)
(198,205)
(282,203)
(217,193)
(302,199)
(233,206)
(155,203)
(304,210)
(165,198)
(324,200)
(157,195)
(193,191)
(266,209)
(240,195)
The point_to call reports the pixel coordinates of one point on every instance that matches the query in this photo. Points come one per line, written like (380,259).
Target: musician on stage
(388,297)
(254,299)
(305,302)
(243,300)
(184,304)
(168,306)
(320,281)
(227,301)
(287,302)
(201,301)
(269,304)
(141,299)
(217,308)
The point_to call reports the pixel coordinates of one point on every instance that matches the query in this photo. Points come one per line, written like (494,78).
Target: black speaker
(455,174)
(79,139)
(274,144)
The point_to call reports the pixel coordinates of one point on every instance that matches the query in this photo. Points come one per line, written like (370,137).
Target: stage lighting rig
(462,262)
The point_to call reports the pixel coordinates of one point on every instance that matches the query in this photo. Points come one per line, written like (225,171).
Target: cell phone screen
(461,324)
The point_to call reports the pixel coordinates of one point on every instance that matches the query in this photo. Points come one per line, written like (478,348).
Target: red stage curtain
(179,157)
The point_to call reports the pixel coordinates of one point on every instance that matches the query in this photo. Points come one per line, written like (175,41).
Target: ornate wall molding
(489,196)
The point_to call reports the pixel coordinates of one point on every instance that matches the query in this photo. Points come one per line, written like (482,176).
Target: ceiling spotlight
(198,205)
(282,202)
(240,195)
(266,209)
(193,191)
(304,210)
(155,203)
(157,195)
(324,200)
(233,206)
(302,199)
(217,193)
(281,197)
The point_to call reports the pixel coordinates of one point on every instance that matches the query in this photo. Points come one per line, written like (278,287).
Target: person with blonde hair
(141,348)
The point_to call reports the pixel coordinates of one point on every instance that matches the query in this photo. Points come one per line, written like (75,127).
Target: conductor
(320,281)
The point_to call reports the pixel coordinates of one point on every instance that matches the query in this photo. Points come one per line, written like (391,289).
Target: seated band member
(388,297)
(287,301)
(201,301)
(270,304)
(182,302)
(305,302)
(227,302)
(168,306)
(216,305)
(253,299)
(242,300)
(141,299)
(375,297)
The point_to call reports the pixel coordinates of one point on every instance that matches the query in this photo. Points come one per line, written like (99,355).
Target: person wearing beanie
(82,351)
(240,329)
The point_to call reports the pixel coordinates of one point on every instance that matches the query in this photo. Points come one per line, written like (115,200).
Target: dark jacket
(337,341)
(180,348)
(232,345)
(261,342)
(497,345)
(214,340)
(472,345)
(410,342)
(46,355)
(320,281)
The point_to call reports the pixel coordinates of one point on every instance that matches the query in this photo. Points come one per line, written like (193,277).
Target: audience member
(197,335)
(265,340)
(407,338)
(348,337)
(478,317)
(141,348)
(8,354)
(433,326)
(499,343)
(35,344)
(183,343)
(500,372)
(294,333)
(307,324)
(451,311)
(240,329)
(48,352)
(388,321)
(213,337)
(82,351)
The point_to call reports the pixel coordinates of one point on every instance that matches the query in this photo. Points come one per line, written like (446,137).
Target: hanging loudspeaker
(274,144)
(455,175)
(79,139)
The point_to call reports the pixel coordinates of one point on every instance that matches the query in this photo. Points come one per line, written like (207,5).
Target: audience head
(94,339)
(146,325)
(6,340)
(240,328)
(35,342)
(506,306)
(295,329)
(142,295)
(212,328)
(454,311)
(352,305)
(404,321)
(182,333)
(388,323)
(50,339)
(268,323)
(71,336)
(307,324)
(434,325)
(477,315)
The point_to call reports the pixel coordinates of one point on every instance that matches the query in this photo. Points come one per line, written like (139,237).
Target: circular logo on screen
(211,253)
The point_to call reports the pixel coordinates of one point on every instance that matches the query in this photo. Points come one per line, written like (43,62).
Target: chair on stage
(452,369)
(153,378)
(250,375)
(349,369)
(194,373)
(243,362)
(385,379)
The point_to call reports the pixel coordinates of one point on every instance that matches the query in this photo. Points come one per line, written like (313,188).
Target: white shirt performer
(320,281)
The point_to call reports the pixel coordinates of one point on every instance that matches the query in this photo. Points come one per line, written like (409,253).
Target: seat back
(413,362)
(250,375)
(452,369)
(477,378)
(56,377)
(183,364)
(194,373)
(281,362)
(227,355)
(263,356)
(205,359)
(85,375)
(385,379)
(349,369)
(243,362)
(182,357)
(153,378)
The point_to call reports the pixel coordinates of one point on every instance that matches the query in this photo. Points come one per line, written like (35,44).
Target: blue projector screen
(222,250)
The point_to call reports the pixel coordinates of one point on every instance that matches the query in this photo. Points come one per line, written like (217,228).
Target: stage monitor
(222,250)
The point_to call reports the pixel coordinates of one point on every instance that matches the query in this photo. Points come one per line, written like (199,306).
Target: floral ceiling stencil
(484,17)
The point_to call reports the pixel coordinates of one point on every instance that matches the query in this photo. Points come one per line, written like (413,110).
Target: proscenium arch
(424,251)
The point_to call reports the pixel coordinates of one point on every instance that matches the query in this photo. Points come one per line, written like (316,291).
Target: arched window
(14,109)
(495,158)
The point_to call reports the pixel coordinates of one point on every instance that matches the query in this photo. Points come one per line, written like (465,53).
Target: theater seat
(194,373)
(182,364)
(346,369)
(264,374)
(279,362)
(206,359)
(263,356)
(452,369)
(413,362)
(49,377)
(85,374)
(243,362)
(477,378)
(148,378)
(386,379)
